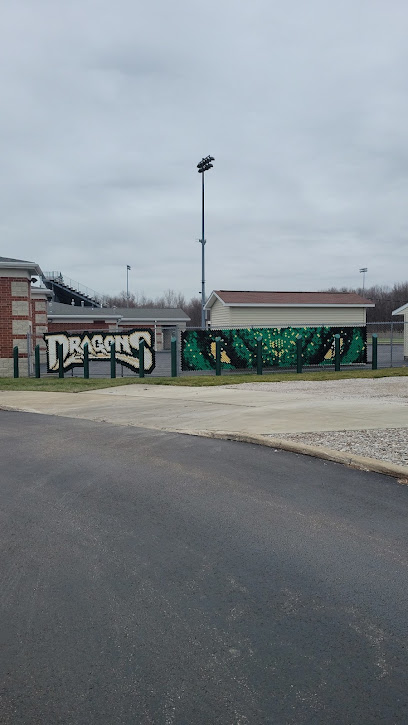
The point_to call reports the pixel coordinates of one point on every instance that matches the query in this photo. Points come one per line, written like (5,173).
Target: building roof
(401,310)
(7,262)
(132,314)
(253,298)
(39,291)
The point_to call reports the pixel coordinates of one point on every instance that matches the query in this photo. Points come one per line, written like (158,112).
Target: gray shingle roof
(136,314)
(20,261)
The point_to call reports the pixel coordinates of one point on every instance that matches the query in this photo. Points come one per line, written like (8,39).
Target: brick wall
(40,321)
(15,321)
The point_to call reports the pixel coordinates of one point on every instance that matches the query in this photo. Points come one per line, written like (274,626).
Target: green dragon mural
(238,347)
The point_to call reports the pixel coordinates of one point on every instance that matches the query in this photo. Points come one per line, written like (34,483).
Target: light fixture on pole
(128,268)
(363,271)
(204,165)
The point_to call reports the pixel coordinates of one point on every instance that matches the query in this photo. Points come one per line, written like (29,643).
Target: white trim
(400,310)
(346,305)
(207,305)
(96,318)
(40,291)
(29,266)
(155,319)
(83,318)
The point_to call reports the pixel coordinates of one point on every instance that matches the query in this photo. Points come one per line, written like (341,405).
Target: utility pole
(204,165)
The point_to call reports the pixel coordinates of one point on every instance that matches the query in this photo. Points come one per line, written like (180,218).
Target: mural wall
(126,348)
(238,347)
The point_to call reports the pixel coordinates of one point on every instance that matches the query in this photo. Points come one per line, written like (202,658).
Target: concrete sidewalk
(258,409)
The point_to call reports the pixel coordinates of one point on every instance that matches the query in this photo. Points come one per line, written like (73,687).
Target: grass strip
(80,385)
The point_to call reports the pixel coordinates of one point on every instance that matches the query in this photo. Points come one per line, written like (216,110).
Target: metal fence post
(141,358)
(112,360)
(218,356)
(86,361)
(337,353)
(29,354)
(37,361)
(60,355)
(15,359)
(299,356)
(173,357)
(259,355)
(179,349)
(391,341)
(374,352)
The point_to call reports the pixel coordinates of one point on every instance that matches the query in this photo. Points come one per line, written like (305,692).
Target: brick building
(22,313)
(27,311)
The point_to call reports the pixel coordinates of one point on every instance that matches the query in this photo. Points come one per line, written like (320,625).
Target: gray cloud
(106,109)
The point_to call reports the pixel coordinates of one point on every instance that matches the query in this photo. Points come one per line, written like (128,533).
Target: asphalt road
(149,577)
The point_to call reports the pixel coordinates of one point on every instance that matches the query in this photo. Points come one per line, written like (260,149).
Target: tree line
(386,299)
(169,298)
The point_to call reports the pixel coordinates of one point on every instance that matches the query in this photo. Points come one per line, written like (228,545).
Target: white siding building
(230,309)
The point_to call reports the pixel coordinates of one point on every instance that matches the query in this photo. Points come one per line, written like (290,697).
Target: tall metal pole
(204,165)
(127,284)
(202,259)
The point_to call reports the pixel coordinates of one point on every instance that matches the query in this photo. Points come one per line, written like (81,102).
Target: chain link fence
(390,342)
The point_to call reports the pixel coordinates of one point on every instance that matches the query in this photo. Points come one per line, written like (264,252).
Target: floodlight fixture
(363,271)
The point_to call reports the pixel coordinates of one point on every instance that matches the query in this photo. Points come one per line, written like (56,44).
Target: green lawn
(78,385)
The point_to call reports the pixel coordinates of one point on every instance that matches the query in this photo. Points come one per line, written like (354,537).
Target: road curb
(348,459)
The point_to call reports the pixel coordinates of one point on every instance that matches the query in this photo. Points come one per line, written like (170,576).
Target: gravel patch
(387,444)
(396,388)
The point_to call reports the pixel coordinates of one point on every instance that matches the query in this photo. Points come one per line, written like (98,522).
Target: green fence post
(112,360)
(299,356)
(374,352)
(141,358)
(86,361)
(173,357)
(60,356)
(37,361)
(15,359)
(337,353)
(259,355)
(218,356)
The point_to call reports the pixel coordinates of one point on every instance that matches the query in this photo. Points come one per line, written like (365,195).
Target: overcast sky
(106,108)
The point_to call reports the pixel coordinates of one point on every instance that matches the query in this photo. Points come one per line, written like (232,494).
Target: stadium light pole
(363,270)
(128,268)
(203,166)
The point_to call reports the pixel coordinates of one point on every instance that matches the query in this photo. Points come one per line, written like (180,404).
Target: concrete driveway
(260,409)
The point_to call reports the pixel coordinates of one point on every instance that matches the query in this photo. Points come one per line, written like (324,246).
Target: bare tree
(386,299)
(193,310)
(169,299)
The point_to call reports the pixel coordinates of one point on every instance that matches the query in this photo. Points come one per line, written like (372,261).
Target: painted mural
(126,348)
(238,347)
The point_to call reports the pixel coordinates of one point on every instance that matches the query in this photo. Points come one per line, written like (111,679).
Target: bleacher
(69,292)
